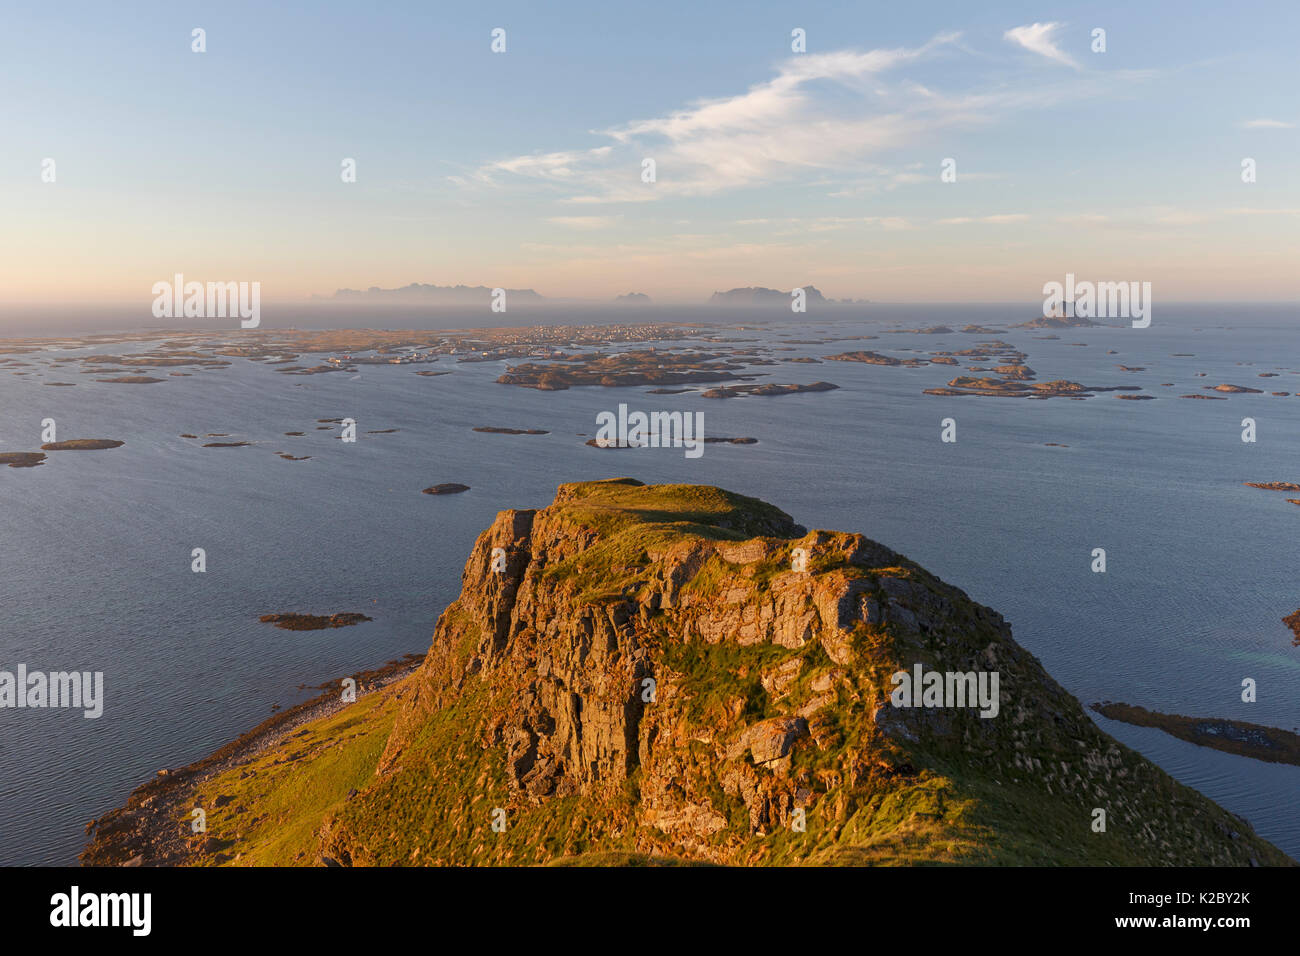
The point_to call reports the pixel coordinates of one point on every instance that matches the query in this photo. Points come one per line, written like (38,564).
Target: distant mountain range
(757,295)
(424,294)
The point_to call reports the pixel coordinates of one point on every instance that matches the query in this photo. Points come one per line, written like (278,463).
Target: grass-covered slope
(660,674)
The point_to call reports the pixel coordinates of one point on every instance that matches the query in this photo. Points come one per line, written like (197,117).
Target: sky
(524,168)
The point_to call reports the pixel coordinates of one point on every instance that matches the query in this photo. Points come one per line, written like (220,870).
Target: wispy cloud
(796,224)
(823,112)
(999,219)
(585,222)
(1267,124)
(555,166)
(1276,211)
(1040,38)
(821,119)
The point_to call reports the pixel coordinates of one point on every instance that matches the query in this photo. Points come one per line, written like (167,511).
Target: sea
(96,547)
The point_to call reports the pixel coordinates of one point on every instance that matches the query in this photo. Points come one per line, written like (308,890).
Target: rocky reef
(733,391)
(82,444)
(446,488)
(1270,744)
(313,622)
(22,459)
(1292,620)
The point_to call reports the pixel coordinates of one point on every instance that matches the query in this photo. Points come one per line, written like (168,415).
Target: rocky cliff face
(679,672)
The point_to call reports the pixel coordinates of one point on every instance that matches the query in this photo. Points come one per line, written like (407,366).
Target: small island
(313,622)
(22,459)
(732,391)
(493,430)
(447,488)
(647,366)
(1057,322)
(869,357)
(1235,389)
(1293,622)
(82,444)
(1231,736)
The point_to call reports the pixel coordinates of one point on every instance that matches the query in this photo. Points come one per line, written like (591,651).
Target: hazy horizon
(71,321)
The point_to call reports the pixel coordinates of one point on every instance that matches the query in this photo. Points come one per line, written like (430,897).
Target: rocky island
(1231,736)
(1056,322)
(1235,389)
(312,622)
(22,459)
(679,674)
(1292,621)
(447,488)
(648,366)
(82,444)
(732,391)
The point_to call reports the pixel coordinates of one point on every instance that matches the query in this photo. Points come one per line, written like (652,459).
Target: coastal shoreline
(151,828)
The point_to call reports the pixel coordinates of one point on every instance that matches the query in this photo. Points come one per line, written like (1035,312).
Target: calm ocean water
(95,546)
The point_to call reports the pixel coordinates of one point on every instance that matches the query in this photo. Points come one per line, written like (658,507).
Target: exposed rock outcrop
(678,671)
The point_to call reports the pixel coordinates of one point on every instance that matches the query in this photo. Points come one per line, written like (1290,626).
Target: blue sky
(774,168)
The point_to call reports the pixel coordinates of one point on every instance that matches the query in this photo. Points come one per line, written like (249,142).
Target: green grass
(286,791)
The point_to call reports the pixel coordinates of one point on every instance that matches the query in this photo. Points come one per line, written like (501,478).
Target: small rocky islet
(446,488)
(1292,621)
(22,459)
(769,389)
(82,444)
(714,440)
(31,459)
(1260,742)
(313,622)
